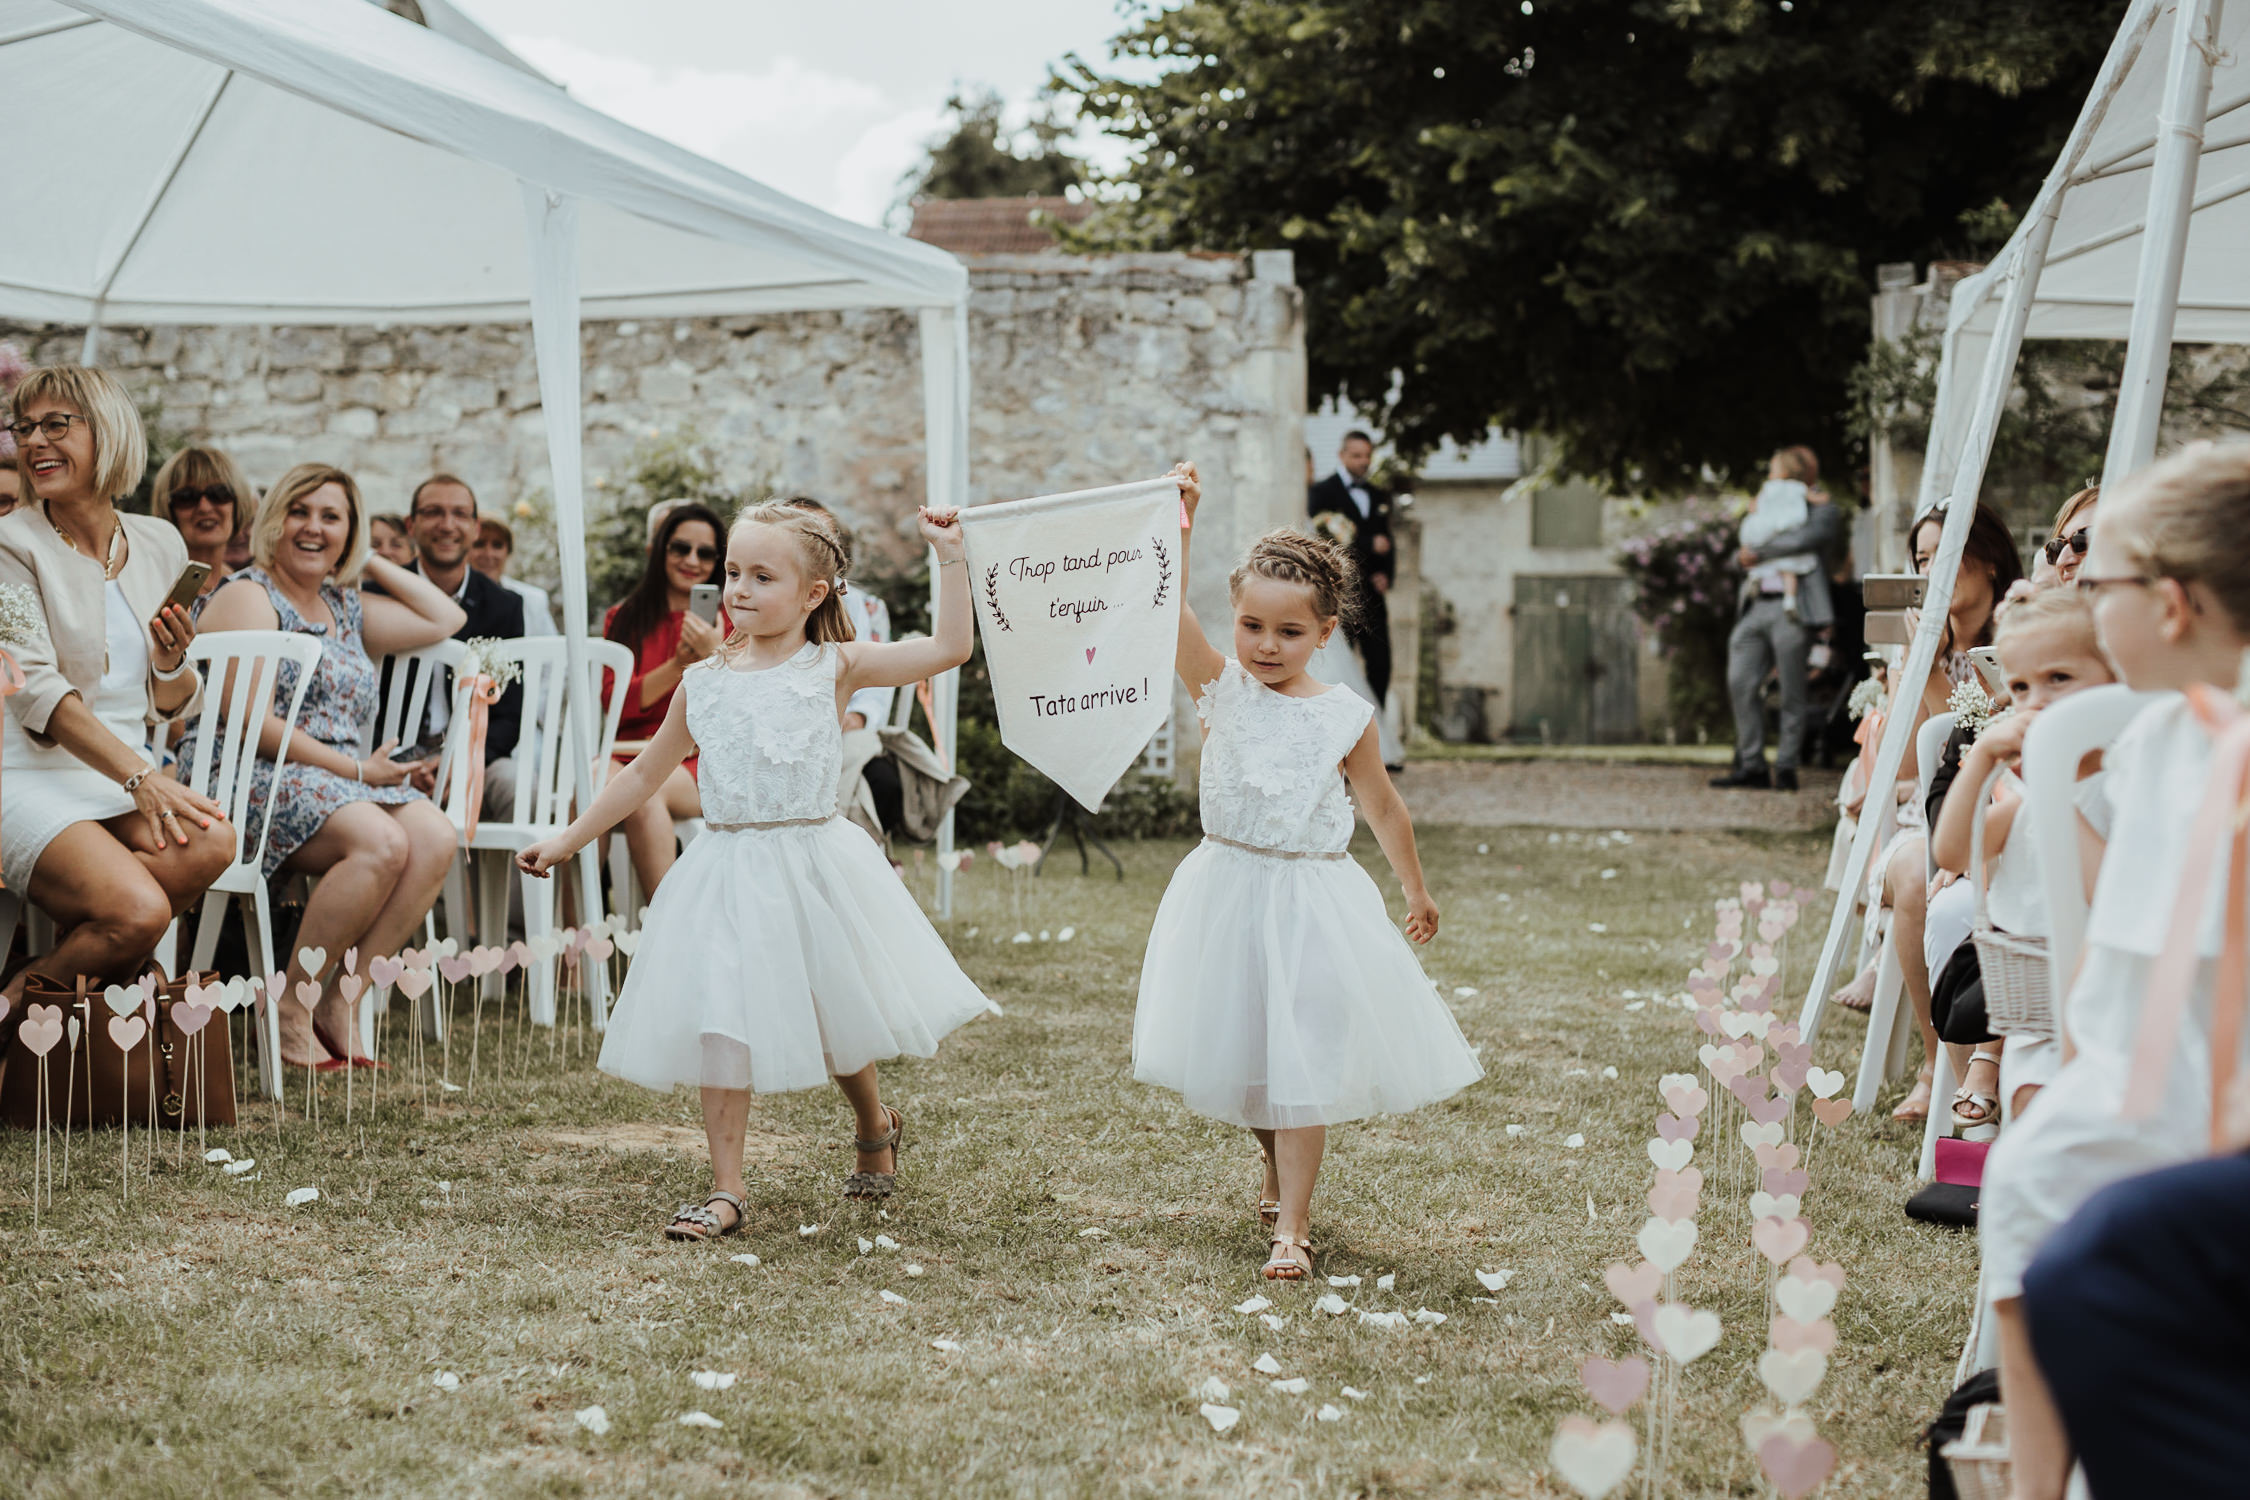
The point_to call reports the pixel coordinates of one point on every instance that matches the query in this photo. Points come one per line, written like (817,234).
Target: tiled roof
(991,226)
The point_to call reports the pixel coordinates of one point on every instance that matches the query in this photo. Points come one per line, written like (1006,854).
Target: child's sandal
(874,1186)
(1284,1266)
(1269,1209)
(697,1222)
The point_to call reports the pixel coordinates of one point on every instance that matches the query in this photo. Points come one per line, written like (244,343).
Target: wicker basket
(2018,991)
(1979,1456)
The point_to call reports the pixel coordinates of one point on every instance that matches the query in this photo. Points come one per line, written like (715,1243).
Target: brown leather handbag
(103,1083)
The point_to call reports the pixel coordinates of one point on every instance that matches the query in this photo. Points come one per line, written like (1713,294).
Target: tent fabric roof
(325,161)
(2086,287)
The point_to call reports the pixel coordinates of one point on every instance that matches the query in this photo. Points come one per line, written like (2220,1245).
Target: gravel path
(1557,794)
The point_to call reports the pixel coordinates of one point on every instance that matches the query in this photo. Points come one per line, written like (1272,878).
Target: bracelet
(172,676)
(359,772)
(957,562)
(133,782)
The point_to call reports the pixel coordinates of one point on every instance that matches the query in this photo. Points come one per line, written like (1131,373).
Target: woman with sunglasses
(202,491)
(2065,551)
(653,621)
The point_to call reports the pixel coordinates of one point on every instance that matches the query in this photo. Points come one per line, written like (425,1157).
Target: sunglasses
(216,494)
(686,550)
(2077,542)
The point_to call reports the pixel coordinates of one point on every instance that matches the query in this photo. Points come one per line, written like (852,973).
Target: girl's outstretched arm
(1197,661)
(1385,812)
(896,663)
(626,790)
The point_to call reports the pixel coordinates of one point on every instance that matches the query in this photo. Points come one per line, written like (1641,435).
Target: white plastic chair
(409,678)
(226,755)
(544,801)
(1890,1022)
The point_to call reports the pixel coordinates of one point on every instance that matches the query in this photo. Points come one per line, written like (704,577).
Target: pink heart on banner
(1789,1335)
(42,1028)
(1615,1387)
(1796,1468)
(600,949)
(519,956)
(1831,1112)
(307,993)
(453,970)
(1768,1111)
(1788,1049)
(1746,1088)
(1673,1128)
(1636,1286)
(1803,1268)
(1783,1182)
(127,1031)
(1783,1156)
(1089,656)
(1778,1239)
(1691,1176)
(384,972)
(190,1017)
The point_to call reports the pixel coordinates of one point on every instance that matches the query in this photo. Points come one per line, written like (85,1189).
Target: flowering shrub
(1684,579)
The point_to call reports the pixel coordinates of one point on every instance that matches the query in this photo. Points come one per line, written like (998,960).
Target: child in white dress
(1276,994)
(1782,505)
(782,950)
(2170,580)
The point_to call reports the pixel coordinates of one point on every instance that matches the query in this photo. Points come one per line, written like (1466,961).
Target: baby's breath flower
(1971,706)
(481,656)
(1867,698)
(21,619)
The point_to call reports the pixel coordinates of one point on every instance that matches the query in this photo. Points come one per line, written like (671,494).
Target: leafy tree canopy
(979,157)
(1647,228)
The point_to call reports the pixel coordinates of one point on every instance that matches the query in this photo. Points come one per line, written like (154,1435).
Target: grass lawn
(1083,1240)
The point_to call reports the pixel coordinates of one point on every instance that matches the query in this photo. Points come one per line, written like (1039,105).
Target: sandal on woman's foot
(697,1222)
(1283,1264)
(1915,1107)
(870,1186)
(1973,1109)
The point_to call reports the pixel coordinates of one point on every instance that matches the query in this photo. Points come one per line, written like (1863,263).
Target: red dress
(641,722)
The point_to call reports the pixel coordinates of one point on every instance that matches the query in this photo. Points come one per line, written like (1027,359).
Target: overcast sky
(830,101)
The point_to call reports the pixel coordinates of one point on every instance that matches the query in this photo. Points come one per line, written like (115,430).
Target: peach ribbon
(2172,979)
(11,676)
(483,693)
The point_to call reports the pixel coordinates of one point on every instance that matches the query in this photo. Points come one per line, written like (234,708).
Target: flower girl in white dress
(1276,994)
(782,950)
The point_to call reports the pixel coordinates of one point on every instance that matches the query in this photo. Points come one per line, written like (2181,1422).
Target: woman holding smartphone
(671,620)
(89,831)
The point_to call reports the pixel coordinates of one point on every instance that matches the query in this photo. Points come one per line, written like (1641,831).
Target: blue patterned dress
(338,706)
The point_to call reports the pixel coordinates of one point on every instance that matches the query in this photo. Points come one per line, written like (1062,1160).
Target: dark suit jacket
(1330,495)
(1823,535)
(495,611)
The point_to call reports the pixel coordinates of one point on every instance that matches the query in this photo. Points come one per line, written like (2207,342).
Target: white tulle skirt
(772,959)
(1276,994)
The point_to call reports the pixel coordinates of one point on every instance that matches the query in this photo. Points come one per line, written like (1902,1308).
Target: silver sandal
(872,1186)
(696,1222)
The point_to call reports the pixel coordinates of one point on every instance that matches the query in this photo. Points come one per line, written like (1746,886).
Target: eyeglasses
(2077,542)
(686,550)
(2092,586)
(54,426)
(215,494)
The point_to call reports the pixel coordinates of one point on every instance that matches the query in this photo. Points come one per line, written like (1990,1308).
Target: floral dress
(338,706)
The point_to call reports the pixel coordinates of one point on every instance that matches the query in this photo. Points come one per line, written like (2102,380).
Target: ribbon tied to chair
(479,692)
(11,676)
(2172,978)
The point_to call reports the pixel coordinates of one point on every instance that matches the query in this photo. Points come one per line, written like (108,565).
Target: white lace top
(771,746)
(1272,776)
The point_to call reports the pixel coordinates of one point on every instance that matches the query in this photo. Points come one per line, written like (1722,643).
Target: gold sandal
(874,1186)
(1269,1209)
(695,1221)
(1284,1266)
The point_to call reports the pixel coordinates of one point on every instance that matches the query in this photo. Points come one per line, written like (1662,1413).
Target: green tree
(979,157)
(1646,227)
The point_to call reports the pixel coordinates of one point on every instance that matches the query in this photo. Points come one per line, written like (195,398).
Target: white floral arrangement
(21,618)
(1335,526)
(484,656)
(1971,707)
(1867,698)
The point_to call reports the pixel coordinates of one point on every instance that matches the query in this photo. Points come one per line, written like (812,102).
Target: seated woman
(686,549)
(380,848)
(89,833)
(205,494)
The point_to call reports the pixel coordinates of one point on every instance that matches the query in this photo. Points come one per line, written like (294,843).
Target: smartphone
(1987,662)
(1887,627)
(189,584)
(1892,590)
(703,603)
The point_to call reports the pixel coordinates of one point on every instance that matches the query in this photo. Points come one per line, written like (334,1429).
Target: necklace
(109,560)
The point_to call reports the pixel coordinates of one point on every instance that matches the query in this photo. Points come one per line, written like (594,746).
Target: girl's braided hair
(1318,564)
(823,555)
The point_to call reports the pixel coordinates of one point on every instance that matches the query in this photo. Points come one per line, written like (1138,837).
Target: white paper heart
(1670,1156)
(629,943)
(312,960)
(121,999)
(1792,1377)
(1760,1423)
(1804,1301)
(1592,1460)
(1825,1083)
(1755,1135)
(1773,1206)
(1686,1333)
(1666,1243)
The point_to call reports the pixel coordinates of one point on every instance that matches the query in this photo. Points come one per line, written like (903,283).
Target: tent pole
(945,420)
(2171,195)
(551,230)
(93,339)
(1905,712)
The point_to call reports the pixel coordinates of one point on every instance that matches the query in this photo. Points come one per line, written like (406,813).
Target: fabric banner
(1079,597)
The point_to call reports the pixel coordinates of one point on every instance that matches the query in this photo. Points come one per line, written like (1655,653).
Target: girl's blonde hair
(2060,607)
(1799,462)
(1287,556)
(823,556)
(2183,519)
(273,510)
(120,444)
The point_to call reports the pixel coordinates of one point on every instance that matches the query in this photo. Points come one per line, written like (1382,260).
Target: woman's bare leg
(430,842)
(360,855)
(1909,888)
(110,901)
(1296,1160)
(2038,1446)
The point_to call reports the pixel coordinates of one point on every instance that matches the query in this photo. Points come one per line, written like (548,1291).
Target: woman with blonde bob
(203,493)
(89,831)
(380,847)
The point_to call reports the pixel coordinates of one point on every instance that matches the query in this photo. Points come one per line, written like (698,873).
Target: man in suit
(1767,638)
(443,522)
(1349,493)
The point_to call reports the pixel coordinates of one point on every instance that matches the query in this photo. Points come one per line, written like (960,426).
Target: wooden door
(1576,672)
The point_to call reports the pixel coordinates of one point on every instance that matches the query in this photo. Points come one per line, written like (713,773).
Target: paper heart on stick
(1792,1377)
(1671,1081)
(1783,1156)
(1686,1333)
(446,947)
(1765,964)
(1832,1112)
(1614,1386)
(1778,1239)
(1592,1460)
(1796,1467)
(123,999)
(1760,1423)
(1688,1101)
(312,960)
(1764,1205)
(384,972)
(239,990)
(628,943)
(414,983)
(1784,1180)
(1768,1111)
(1755,1134)
(127,1031)
(453,970)
(1635,1286)
(1671,1155)
(1673,1128)
(600,949)
(150,983)
(191,1017)
(1805,1268)
(349,985)
(307,993)
(42,1028)
(1672,1200)
(1825,1083)
(1667,1242)
(1708,1055)
(1805,1301)
(519,954)
(1707,1019)
(1789,1335)
(1789,1076)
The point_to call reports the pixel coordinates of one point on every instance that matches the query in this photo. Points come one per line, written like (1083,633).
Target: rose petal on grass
(1066,934)
(1387,1281)
(446,1380)
(807,1231)
(1573,1141)
(746,1259)
(1430,1319)
(1382,1319)
(237,1168)
(593,1419)
(1254,1305)
(1330,1414)
(1463,992)
(945,1346)
(1021,937)
(1343,1281)
(299,1197)
(1266,1364)
(701,1419)
(218,1154)
(1597,927)
(891,1297)
(1515,1130)
(1331,1304)
(885,1242)
(866,1245)
(1487,1301)
(1609,1072)
(1495,1281)
(1295,1386)
(1271,1321)
(912,1269)
(1093,1234)
(1220,1417)
(714,1380)
(1213,1389)
(1356,1395)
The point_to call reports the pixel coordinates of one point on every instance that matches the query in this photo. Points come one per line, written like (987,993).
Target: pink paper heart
(1746,1088)
(1787,1048)
(349,985)
(1778,1239)
(414,983)
(190,1017)
(600,949)
(383,972)
(127,1031)
(1719,953)
(1636,1286)
(1783,1182)
(1673,1128)
(1783,1155)
(453,970)
(1796,1468)
(1615,1387)
(1672,1201)
(277,985)
(415,958)
(1691,1176)
(1789,1335)
(1768,1111)
(1707,1020)
(1758,1001)
(519,956)
(307,993)
(1644,1323)
(1790,1075)
(1804,1268)
(1089,656)
(40,1032)
(149,984)
(1831,1112)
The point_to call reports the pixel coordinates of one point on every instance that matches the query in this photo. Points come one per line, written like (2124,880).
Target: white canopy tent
(327,162)
(2140,232)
